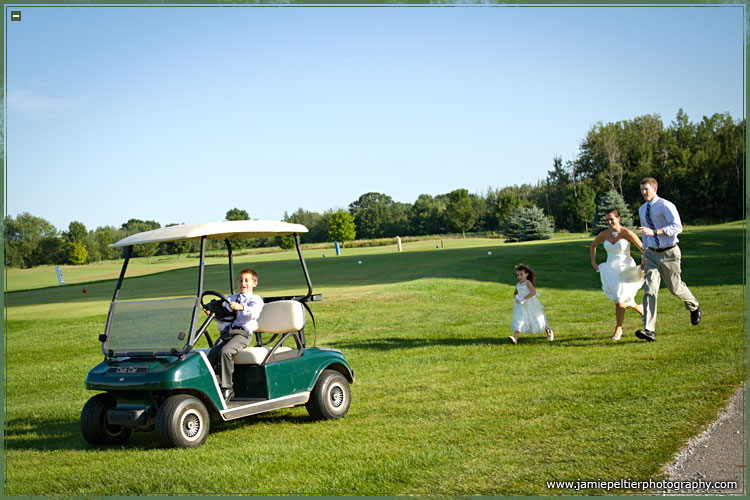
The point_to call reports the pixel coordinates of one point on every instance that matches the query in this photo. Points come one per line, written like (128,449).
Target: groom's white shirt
(665,217)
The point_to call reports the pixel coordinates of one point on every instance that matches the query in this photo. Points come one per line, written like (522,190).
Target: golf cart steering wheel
(217,307)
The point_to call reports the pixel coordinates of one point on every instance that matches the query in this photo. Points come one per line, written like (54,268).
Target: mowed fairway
(442,404)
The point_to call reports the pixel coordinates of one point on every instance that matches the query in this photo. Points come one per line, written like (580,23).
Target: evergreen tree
(526,224)
(609,201)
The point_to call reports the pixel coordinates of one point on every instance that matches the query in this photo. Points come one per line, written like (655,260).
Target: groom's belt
(662,249)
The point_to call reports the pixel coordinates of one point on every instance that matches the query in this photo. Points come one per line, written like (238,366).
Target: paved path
(717,455)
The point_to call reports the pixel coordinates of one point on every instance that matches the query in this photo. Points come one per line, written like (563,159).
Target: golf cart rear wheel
(94,426)
(330,398)
(182,422)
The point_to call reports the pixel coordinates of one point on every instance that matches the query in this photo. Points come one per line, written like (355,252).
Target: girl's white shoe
(512,339)
(550,334)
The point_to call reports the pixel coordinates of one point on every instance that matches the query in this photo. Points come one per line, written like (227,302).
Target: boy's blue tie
(651,223)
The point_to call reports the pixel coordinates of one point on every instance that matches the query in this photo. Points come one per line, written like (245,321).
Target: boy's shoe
(646,335)
(512,339)
(550,334)
(227,394)
(695,316)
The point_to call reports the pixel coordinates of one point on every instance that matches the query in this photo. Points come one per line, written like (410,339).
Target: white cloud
(34,105)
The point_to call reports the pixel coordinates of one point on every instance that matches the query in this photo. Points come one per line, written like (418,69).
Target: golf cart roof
(213,231)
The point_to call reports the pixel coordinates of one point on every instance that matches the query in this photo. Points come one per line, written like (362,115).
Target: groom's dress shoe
(695,316)
(228,394)
(646,335)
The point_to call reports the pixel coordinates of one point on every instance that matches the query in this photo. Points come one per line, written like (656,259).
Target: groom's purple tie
(651,223)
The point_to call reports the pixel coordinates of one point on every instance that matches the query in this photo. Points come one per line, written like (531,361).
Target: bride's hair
(529,271)
(613,210)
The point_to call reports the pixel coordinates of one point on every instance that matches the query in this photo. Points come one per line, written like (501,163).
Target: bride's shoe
(617,334)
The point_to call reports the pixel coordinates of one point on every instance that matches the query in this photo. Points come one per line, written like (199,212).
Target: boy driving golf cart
(153,377)
(235,336)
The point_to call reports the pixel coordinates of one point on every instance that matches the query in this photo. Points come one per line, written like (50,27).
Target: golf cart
(154,377)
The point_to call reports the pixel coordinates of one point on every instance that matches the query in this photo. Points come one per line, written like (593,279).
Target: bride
(621,277)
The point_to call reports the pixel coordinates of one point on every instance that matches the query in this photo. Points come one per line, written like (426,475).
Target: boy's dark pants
(222,353)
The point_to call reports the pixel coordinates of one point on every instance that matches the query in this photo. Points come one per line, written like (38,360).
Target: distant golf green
(442,404)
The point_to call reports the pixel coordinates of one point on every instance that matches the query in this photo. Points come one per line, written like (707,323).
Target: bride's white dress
(621,276)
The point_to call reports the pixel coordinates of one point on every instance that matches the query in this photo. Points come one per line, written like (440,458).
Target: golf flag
(59,275)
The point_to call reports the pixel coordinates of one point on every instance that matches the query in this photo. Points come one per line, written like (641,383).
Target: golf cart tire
(182,422)
(330,397)
(94,426)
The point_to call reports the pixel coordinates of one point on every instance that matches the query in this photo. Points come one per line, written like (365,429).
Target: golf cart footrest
(130,418)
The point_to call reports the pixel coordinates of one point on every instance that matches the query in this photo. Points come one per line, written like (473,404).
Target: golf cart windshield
(150,326)
(171,326)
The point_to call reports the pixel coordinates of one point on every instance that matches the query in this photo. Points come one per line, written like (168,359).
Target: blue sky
(177,114)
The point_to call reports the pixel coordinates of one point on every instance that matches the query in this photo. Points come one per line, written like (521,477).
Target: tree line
(700,167)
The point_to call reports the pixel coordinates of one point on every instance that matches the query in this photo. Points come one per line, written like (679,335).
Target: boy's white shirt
(247,318)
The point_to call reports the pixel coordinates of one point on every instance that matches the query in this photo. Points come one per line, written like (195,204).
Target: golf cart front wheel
(182,422)
(330,398)
(94,426)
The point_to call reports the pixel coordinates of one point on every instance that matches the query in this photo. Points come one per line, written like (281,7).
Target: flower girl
(528,312)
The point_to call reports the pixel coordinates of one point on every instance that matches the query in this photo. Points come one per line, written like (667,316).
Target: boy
(236,336)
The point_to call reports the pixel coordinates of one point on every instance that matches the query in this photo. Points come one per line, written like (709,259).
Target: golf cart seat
(277,317)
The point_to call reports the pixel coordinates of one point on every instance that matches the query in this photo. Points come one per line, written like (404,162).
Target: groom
(660,225)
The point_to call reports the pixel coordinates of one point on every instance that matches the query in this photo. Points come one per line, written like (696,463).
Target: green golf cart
(154,378)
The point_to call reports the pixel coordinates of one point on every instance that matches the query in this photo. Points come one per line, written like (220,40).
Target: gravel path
(717,455)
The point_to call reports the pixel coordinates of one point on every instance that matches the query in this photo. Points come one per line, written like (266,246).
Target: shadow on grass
(57,435)
(562,265)
(395,343)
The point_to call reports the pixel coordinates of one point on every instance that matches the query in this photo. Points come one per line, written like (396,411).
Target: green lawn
(442,403)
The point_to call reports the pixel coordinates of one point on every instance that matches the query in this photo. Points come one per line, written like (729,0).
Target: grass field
(442,405)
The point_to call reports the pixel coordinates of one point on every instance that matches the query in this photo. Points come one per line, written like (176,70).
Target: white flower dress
(528,317)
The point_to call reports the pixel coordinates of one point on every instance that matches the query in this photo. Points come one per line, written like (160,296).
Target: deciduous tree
(372,214)
(460,212)
(341,227)
(134,226)
(23,235)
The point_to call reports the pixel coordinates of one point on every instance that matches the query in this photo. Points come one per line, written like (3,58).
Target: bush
(285,242)
(526,224)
